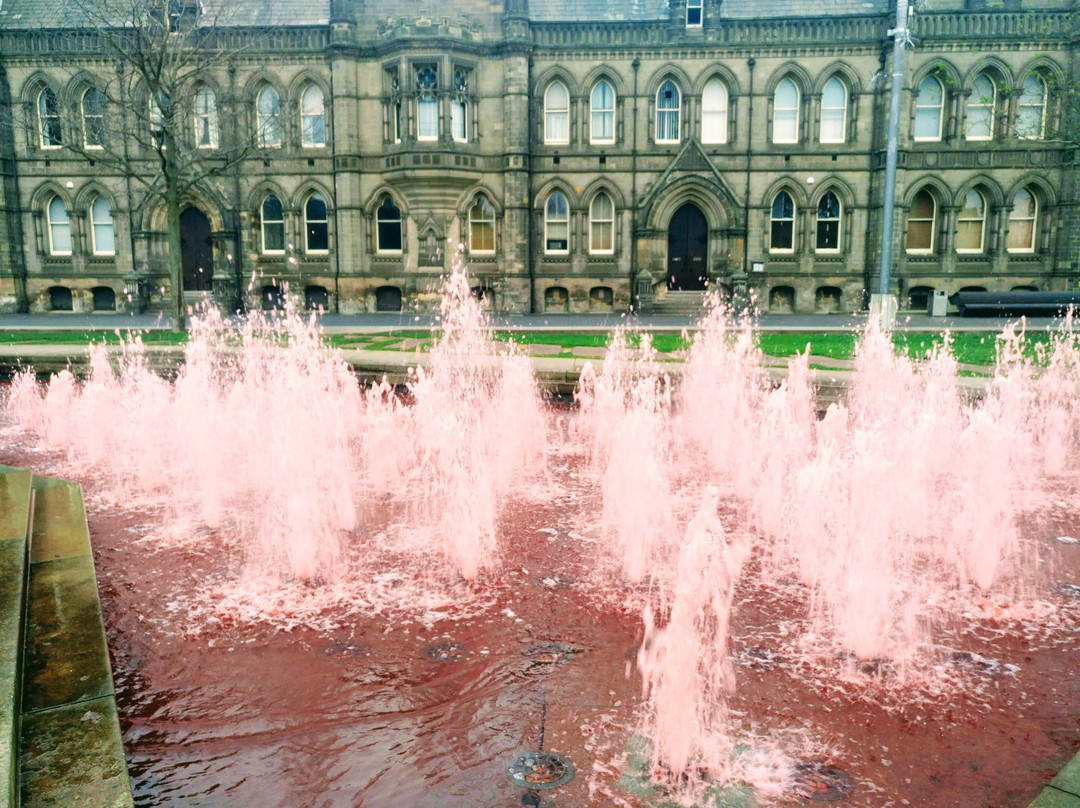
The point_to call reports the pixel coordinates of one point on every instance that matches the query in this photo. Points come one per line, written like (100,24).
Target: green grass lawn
(968,348)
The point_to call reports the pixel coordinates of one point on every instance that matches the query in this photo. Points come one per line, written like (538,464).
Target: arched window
(427,103)
(1031,121)
(1022,222)
(268,118)
(273,225)
(206,122)
(312,117)
(971,224)
(482,226)
(316,225)
(388,226)
(156,104)
(101,227)
(929,106)
(922,218)
(714,112)
(602,225)
(668,104)
(834,111)
(459,107)
(556,113)
(786,112)
(602,124)
(980,108)
(49,120)
(782,224)
(556,225)
(93,113)
(59,227)
(828,224)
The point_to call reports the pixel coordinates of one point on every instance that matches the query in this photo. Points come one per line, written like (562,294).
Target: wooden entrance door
(196,251)
(688,246)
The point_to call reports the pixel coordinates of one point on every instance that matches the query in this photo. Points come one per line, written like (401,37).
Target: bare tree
(154,118)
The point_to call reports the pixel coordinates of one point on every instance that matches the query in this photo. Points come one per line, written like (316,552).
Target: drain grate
(447,652)
(976,663)
(549,653)
(759,658)
(1071,589)
(556,581)
(817,780)
(346,650)
(540,770)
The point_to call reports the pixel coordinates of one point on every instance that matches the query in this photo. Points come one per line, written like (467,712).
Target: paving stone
(1068,779)
(1052,798)
(12,578)
(59,522)
(72,755)
(66,658)
(14,503)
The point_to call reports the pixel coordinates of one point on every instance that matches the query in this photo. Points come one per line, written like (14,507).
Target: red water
(338,707)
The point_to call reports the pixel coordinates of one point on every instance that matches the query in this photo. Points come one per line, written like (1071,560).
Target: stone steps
(60,685)
(680,304)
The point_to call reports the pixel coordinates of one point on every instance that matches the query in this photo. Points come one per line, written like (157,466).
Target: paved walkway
(364,323)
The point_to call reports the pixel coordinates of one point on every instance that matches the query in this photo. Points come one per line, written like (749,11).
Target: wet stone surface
(976,663)
(759,658)
(549,653)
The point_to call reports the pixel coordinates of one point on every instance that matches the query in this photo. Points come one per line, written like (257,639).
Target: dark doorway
(688,244)
(196,251)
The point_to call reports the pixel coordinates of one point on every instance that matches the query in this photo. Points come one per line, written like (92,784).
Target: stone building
(583,155)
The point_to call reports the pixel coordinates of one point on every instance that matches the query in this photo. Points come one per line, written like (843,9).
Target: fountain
(318,593)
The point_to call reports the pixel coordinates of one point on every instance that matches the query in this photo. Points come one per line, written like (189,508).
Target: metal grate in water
(817,780)
(540,770)
(548,653)
(447,652)
(344,649)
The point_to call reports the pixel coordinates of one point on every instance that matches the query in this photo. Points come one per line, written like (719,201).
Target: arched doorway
(196,251)
(688,246)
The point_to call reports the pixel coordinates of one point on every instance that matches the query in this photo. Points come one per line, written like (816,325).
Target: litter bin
(937,304)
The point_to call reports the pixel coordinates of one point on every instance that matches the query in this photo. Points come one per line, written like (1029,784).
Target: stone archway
(688,249)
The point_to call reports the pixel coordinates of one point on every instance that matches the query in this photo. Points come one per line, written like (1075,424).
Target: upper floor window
(273,225)
(482,226)
(668,106)
(312,117)
(93,114)
(427,103)
(395,106)
(388,227)
(101,227)
(929,107)
(921,223)
(206,122)
(556,113)
(1022,222)
(714,112)
(556,225)
(59,227)
(459,107)
(602,225)
(602,121)
(1031,121)
(782,224)
(316,225)
(980,108)
(156,105)
(786,112)
(268,118)
(834,111)
(49,120)
(693,13)
(828,224)
(971,224)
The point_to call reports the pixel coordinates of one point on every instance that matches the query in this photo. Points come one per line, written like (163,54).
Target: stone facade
(581,156)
